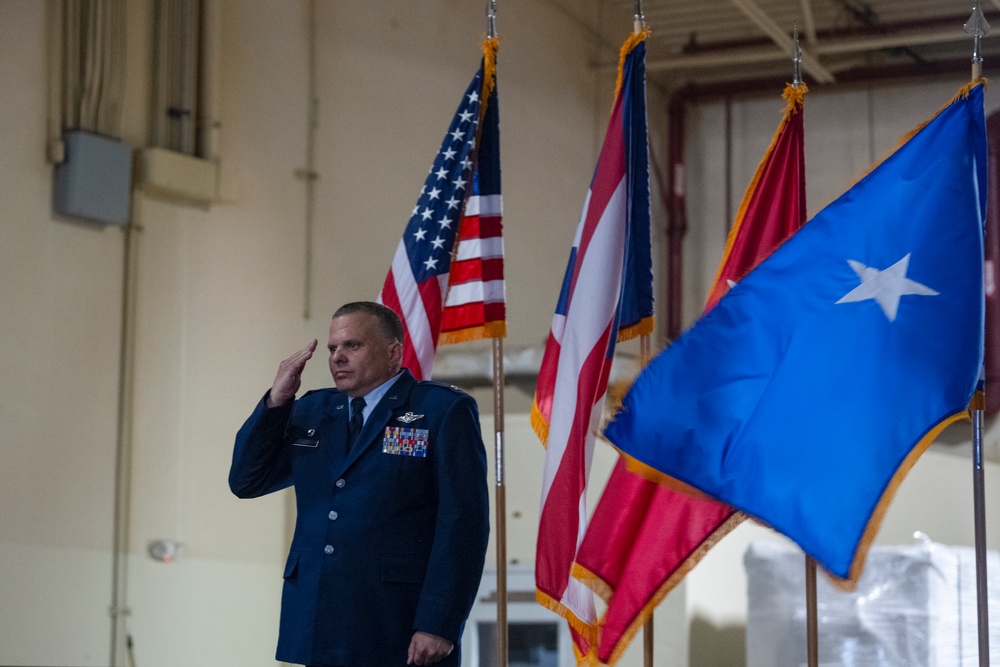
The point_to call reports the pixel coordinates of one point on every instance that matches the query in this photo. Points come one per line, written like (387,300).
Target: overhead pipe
(674,203)
(829,42)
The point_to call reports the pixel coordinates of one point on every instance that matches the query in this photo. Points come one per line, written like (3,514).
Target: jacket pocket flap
(291,565)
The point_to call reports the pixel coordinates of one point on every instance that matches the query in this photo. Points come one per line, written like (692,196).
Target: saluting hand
(289,377)
(427,649)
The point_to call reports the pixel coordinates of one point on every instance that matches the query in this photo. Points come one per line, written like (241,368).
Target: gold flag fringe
(603,589)
(489,330)
(586,629)
(653,475)
(875,522)
(643,327)
(490,47)
(540,424)
(630,43)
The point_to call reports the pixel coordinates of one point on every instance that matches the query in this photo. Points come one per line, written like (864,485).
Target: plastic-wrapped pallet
(915,606)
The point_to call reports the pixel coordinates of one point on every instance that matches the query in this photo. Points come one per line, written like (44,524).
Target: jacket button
(328,549)
(341,483)
(333,515)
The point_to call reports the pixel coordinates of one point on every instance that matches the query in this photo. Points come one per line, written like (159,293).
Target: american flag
(446,278)
(608,282)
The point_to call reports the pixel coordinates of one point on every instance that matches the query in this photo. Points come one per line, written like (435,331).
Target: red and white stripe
(477,295)
(579,355)
(420,308)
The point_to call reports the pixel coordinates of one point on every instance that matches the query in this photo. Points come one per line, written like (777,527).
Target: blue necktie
(357,420)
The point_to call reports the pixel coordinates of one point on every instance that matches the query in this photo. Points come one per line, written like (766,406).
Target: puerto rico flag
(606,296)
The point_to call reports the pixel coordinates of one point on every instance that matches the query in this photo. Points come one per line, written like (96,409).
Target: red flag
(643,538)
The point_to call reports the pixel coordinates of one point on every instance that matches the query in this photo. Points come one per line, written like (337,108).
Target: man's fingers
(289,376)
(302,356)
(427,649)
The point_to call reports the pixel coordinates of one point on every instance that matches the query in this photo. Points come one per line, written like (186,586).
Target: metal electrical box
(94,182)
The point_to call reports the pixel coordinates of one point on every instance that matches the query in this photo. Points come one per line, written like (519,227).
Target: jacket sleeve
(462,530)
(261,462)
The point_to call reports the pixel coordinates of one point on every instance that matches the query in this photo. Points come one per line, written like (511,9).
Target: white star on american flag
(445,222)
(459,183)
(452,203)
(426,214)
(442,173)
(448,155)
(473,97)
(466,116)
(420,234)
(438,243)
(466,163)
(434,193)
(457,135)
(431,263)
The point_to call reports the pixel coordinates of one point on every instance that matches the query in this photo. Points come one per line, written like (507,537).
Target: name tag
(305,442)
(403,441)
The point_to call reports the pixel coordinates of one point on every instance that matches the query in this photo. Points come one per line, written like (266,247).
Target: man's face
(361,356)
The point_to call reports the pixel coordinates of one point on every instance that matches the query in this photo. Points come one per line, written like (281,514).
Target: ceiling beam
(837,47)
(778,35)
(808,22)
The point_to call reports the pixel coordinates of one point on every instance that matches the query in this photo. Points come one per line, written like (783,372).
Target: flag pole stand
(645,354)
(500,522)
(638,25)
(501,504)
(812,615)
(812,626)
(979,502)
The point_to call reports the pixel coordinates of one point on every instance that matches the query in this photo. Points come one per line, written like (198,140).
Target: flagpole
(500,521)
(645,354)
(812,627)
(638,25)
(812,615)
(979,28)
(501,503)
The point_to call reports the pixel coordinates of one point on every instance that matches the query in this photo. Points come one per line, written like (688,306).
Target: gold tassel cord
(633,40)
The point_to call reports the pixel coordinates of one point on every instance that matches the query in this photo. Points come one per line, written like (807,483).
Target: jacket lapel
(371,434)
(339,416)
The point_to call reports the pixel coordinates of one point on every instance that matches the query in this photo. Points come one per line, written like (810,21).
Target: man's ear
(396,353)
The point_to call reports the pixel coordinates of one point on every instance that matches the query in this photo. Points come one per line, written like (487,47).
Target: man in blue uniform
(392,509)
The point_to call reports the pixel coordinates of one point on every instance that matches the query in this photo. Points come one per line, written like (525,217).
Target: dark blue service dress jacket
(390,537)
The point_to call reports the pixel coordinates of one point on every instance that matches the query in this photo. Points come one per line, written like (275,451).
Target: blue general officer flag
(808,392)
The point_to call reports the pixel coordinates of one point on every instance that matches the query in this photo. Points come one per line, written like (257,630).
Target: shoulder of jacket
(434,385)
(326,393)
